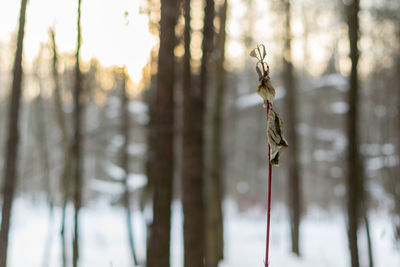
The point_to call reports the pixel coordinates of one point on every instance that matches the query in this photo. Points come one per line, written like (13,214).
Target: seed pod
(275,136)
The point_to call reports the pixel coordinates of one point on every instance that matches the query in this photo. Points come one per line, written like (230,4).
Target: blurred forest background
(132,133)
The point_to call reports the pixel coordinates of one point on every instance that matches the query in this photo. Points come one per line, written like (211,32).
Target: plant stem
(269,194)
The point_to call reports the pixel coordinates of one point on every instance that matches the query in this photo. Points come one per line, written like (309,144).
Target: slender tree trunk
(193,165)
(60,119)
(294,175)
(66,172)
(193,143)
(397,225)
(354,179)
(125,125)
(214,226)
(369,241)
(11,153)
(76,144)
(150,161)
(163,167)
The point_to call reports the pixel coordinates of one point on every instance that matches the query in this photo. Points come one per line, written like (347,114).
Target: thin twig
(269,196)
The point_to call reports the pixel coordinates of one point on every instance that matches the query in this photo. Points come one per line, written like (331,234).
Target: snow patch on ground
(104,238)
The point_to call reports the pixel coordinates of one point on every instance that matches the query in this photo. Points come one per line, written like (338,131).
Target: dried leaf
(275,136)
(253,53)
(266,90)
(264,53)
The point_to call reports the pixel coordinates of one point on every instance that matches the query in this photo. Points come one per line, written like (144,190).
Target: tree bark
(193,164)
(294,190)
(163,167)
(214,225)
(193,143)
(11,153)
(125,131)
(354,179)
(76,144)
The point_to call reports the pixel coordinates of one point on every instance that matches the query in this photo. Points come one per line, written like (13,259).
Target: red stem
(265,74)
(269,195)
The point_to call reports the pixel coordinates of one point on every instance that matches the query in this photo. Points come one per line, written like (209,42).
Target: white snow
(377,163)
(137,107)
(378,149)
(388,149)
(370,149)
(136,149)
(114,171)
(117,141)
(331,80)
(324,155)
(338,139)
(339,107)
(106,187)
(104,238)
(136,181)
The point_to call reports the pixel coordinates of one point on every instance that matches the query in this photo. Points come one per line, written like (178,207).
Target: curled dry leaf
(266,90)
(253,53)
(275,136)
(264,53)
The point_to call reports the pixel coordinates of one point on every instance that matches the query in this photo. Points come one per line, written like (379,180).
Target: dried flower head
(259,52)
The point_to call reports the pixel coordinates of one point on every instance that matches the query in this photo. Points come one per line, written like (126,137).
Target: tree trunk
(147,194)
(125,123)
(354,179)
(163,167)
(11,153)
(369,241)
(193,164)
(76,144)
(193,143)
(294,190)
(60,119)
(214,224)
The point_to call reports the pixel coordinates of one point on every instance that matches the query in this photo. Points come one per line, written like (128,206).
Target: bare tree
(124,159)
(354,177)
(193,142)
(193,164)
(66,145)
(76,146)
(11,153)
(163,164)
(294,190)
(214,218)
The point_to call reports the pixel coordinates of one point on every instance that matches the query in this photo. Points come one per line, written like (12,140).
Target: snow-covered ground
(104,240)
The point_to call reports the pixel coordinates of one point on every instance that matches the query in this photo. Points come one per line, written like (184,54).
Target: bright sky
(105,33)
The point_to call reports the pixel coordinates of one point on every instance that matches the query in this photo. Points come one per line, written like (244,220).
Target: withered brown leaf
(253,53)
(266,90)
(275,136)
